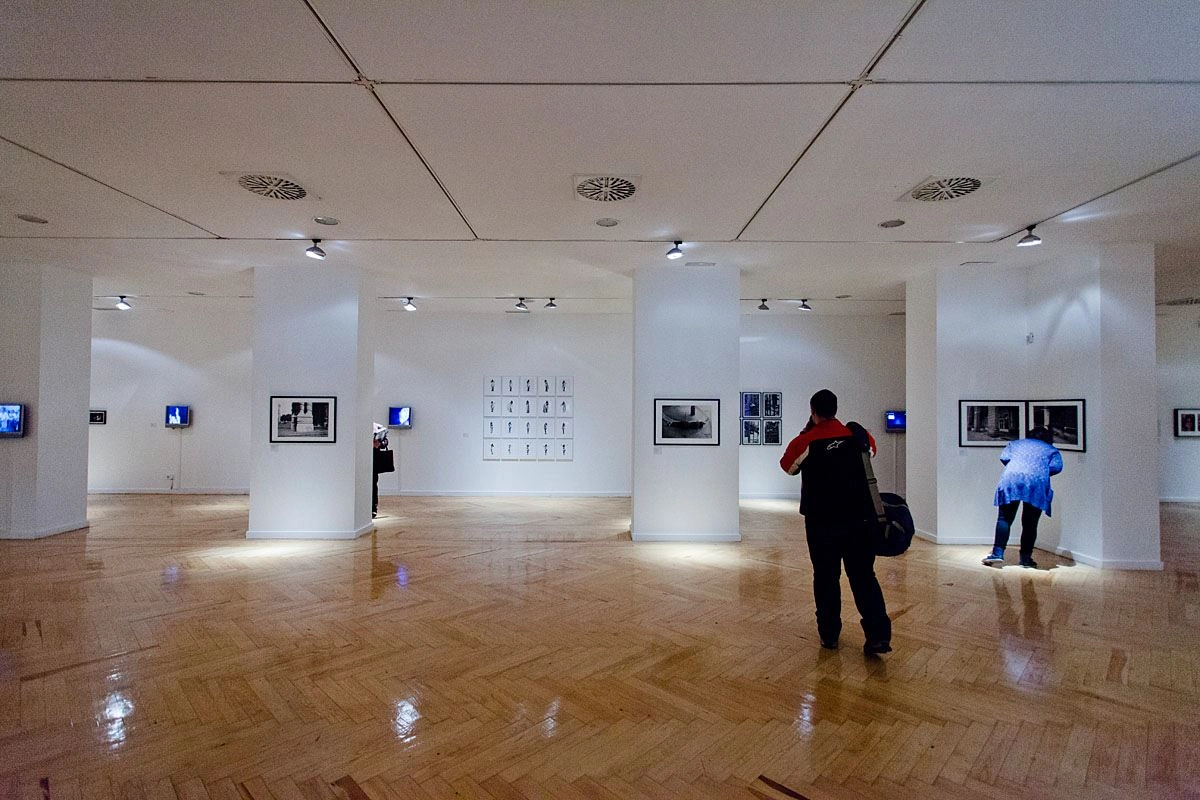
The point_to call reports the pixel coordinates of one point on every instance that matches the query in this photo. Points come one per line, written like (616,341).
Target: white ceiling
(772,136)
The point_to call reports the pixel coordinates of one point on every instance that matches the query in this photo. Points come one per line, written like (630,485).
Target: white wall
(1178,387)
(143,360)
(861,359)
(924,414)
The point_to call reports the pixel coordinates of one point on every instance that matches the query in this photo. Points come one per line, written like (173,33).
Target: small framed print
(990,423)
(529,386)
(303,418)
(564,407)
(564,450)
(564,386)
(491,427)
(527,449)
(751,405)
(492,385)
(687,422)
(527,427)
(508,406)
(545,406)
(752,431)
(546,385)
(526,407)
(1187,422)
(1063,418)
(98,416)
(772,431)
(493,449)
(510,386)
(564,429)
(772,404)
(545,450)
(511,428)
(492,406)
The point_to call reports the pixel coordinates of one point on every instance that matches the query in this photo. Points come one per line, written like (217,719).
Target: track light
(315,251)
(675,252)
(408,305)
(551,304)
(804,306)
(123,304)
(521,304)
(1030,239)
(763,305)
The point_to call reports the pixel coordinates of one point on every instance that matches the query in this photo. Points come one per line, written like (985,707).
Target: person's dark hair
(1042,434)
(824,404)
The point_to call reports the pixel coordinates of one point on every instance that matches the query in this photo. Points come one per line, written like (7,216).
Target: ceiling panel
(1039,149)
(627,41)
(73,205)
(1034,40)
(705,157)
(255,40)
(182,147)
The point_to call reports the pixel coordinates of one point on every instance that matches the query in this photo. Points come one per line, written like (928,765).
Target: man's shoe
(995,557)
(829,644)
(875,648)
(1028,562)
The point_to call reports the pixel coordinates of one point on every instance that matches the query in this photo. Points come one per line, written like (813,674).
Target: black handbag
(385,461)
(895,526)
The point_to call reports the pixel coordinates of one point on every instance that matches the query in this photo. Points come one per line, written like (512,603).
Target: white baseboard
(370,526)
(1179,499)
(676,536)
(42,533)
(1108,563)
(168,491)
(770,496)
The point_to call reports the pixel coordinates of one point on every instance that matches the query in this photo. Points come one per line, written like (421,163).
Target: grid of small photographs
(528,418)
(762,417)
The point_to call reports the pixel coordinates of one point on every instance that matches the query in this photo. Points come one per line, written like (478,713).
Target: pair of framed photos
(762,417)
(995,423)
(1187,423)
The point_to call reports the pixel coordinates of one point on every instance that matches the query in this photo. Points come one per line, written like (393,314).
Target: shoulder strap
(860,435)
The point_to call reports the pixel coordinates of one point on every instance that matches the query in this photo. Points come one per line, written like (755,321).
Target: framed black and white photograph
(772,404)
(1063,418)
(510,385)
(1187,422)
(687,422)
(752,431)
(303,419)
(492,385)
(772,431)
(751,405)
(990,423)
(98,416)
(564,386)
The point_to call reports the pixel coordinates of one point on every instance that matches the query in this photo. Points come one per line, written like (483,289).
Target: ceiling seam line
(855,85)
(113,188)
(1125,185)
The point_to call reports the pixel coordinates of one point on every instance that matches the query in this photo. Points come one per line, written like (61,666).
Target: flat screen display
(179,416)
(895,420)
(12,419)
(400,417)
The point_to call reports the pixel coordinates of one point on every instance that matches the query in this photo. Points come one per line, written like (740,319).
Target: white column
(921,437)
(45,347)
(308,342)
(686,346)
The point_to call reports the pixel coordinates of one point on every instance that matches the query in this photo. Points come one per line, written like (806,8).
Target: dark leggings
(1029,522)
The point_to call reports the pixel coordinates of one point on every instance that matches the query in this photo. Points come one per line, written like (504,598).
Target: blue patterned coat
(1028,465)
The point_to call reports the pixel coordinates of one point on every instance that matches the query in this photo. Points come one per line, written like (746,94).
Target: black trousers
(832,543)
(1029,524)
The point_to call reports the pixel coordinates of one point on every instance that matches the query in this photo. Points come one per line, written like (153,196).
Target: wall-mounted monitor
(895,420)
(400,417)
(12,419)
(179,416)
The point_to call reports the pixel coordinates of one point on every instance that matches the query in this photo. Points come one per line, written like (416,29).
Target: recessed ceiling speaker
(604,188)
(272,187)
(934,190)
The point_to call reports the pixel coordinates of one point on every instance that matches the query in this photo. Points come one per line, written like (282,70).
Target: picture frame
(773,431)
(990,423)
(772,404)
(687,422)
(751,405)
(98,416)
(1065,419)
(1187,423)
(297,419)
(752,431)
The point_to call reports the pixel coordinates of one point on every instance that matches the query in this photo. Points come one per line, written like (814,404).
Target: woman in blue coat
(1028,465)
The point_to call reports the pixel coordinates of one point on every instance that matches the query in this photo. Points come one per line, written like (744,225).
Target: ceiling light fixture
(123,304)
(1030,239)
(675,252)
(804,306)
(521,304)
(408,305)
(551,304)
(763,305)
(315,251)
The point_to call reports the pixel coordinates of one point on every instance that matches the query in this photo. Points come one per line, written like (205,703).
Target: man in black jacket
(839,521)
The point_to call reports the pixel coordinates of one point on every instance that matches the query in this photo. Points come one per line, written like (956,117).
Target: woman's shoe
(995,557)
(1028,562)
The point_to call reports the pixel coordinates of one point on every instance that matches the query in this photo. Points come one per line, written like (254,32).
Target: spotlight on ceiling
(804,306)
(552,304)
(123,304)
(675,252)
(315,251)
(521,304)
(408,305)
(1030,239)
(763,305)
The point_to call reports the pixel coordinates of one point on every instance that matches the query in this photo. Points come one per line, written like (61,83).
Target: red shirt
(797,449)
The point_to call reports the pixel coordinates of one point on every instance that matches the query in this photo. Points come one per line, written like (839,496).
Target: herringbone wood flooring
(525,648)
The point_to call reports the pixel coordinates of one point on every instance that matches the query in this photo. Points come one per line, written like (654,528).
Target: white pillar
(46,352)
(686,346)
(921,436)
(308,342)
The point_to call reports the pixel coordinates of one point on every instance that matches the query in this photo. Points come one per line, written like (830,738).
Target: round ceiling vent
(945,189)
(272,187)
(605,188)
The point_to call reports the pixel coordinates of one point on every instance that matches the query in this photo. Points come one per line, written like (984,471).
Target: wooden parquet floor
(526,648)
